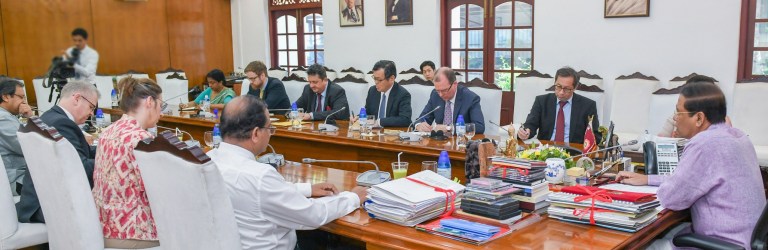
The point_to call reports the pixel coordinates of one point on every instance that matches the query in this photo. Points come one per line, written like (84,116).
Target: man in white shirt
(267,208)
(86,59)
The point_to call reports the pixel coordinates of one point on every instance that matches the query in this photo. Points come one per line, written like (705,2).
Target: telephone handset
(660,158)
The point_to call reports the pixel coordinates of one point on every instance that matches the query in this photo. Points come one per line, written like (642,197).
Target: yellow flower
(538,153)
(525,155)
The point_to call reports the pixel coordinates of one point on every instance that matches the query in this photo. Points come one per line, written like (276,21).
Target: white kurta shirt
(267,208)
(86,66)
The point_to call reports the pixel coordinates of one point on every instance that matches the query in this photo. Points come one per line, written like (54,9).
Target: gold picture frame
(627,8)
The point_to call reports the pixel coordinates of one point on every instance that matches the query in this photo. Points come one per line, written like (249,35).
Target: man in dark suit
(399,11)
(321,97)
(561,116)
(78,100)
(269,89)
(390,102)
(453,100)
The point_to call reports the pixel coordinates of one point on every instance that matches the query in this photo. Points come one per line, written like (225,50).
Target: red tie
(319,103)
(560,124)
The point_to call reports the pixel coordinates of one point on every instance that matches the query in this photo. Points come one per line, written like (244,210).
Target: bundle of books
(490,198)
(618,210)
(412,200)
(527,175)
(465,230)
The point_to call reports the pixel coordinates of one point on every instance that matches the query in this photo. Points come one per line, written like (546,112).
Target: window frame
(747,40)
(299,11)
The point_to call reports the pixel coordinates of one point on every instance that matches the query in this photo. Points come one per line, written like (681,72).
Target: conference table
(544,234)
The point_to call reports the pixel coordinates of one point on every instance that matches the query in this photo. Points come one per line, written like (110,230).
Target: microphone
(329,127)
(190,142)
(412,135)
(632,142)
(274,159)
(497,125)
(422,117)
(368,178)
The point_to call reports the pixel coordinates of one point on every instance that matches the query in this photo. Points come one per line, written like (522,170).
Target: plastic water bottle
(216,136)
(100,121)
(362,119)
(461,128)
(114,98)
(216,113)
(295,120)
(207,104)
(444,165)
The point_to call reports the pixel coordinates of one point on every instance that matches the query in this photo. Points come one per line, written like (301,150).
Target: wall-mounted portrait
(627,8)
(399,12)
(351,13)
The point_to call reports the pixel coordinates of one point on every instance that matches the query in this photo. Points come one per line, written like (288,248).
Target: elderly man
(267,208)
(718,176)
(451,100)
(266,88)
(321,97)
(13,103)
(390,102)
(561,116)
(351,14)
(78,100)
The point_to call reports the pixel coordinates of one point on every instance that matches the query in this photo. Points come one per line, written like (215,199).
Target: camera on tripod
(60,70)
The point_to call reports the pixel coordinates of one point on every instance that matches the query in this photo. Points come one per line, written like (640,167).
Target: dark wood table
(545,234)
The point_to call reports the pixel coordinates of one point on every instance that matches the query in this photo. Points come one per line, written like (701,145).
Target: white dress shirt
(86,66)
(267,208)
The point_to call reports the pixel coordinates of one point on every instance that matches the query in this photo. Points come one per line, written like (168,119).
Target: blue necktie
(382,106)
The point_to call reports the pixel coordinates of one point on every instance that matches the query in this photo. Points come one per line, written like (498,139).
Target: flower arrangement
(544,152)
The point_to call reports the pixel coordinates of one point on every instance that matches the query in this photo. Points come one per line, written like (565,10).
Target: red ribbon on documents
(450,197)
(598,195)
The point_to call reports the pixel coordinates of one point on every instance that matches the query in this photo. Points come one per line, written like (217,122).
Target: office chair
(759,238)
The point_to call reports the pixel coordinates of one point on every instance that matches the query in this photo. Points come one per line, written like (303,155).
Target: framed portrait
(627,8)
(351,13)
(398,12)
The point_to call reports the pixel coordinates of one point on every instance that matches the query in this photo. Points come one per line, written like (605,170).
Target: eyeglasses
(678,114)
(21,96)
(163,104)
(443,91)
(271,129)
(560,88)
(92,106)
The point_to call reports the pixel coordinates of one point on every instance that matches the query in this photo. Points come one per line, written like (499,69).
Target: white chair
(420,91)
(169,71)
(300,71)
(369,78)
(42,94)
(680,81)
(356,90)
(663,102)
(630,104)
(62,187)
(133,74)
(294,85)
(527,87)
(15,235)
(490,102)
(351,71)
(596,94)
(189,201)
(330,74)
(245,86)
(407,74)
(278,73)
(748,115)
(589,79)
(174,88)
(105,85)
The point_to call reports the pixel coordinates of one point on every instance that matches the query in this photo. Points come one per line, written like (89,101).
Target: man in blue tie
(388,100)
(453,100)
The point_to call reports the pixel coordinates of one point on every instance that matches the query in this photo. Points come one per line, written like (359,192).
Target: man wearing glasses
(453,100)
(13,103)
(78,100)
(561,116)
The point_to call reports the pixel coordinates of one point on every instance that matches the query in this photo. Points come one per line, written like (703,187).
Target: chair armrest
(703,242)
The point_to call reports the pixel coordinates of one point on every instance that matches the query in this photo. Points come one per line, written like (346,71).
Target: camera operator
(85,58)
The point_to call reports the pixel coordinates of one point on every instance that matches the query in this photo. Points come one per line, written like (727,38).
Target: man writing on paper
(388,100)
(321,97)
(718,176)
(267,208)
(453,100)
(561,116)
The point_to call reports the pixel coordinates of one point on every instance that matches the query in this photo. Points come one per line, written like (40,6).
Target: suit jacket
(467,104)
(398,106)
(347,17)
(28,208)
(274,95)
(10,149)
(541,119)
(401,10)
(335,99)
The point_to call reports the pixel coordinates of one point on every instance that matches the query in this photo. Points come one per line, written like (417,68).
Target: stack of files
(408,203)
(527,175)
(491,198)
(533,198)
(464,230)
(628,211)
(518,162)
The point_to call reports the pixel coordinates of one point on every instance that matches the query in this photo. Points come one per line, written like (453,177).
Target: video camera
(60,70)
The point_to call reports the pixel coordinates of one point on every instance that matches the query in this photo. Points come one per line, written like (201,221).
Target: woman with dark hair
(219,94)
(118,189)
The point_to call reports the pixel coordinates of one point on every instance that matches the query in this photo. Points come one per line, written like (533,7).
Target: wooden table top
(546,234)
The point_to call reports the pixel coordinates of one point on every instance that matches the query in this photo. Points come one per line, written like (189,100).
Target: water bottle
(295,115)
(114,98)
(216,136)
(362,119)
(461,128)
(216,113)
(100,121)
(206,104)
(444,165)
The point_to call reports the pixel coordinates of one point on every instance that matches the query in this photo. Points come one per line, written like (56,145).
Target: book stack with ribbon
(527,175)
(618,210)
(414,199)
(491,198)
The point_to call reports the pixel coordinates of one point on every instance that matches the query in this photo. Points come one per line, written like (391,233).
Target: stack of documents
(491,198)
(407,202)
(624,211)
(464,230)
(527,175)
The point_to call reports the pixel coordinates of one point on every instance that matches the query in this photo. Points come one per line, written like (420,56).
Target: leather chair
(420,91)
(759,238)
(630,103)
(527,87)
(187,195)
(356,90)
(490,102)
(294,85)
(15,235)
(278,73)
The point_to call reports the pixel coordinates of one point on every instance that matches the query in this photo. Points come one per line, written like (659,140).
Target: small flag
(590,143)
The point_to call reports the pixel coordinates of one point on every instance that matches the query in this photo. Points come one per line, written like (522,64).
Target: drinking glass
(470,131)
(429,165)
(399,169)
(369,123)
(208,137)
(297,120)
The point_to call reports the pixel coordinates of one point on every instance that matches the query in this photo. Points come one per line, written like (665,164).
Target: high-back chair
(187,195)
(42,94)
(748,115)
(294,85)
(132,73)
(15,235)
(356,90)
(330,73)
(630,104)
(351,71)
(592,92)
(420,90)
(759,238)
(277,72)
(105,85)
(590,80)
(175,86)
(527,87)
(159,76)
(680,80)
(300,71)
(407,74)
(490,102)
(663,102)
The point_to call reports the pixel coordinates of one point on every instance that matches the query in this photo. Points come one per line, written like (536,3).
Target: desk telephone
(660,158)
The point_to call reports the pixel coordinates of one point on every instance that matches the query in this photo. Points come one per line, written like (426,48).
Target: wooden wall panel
(218,39)
(3,63)
(37,30)
(135,35)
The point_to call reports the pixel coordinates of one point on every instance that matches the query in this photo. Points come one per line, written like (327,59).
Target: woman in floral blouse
(121,200)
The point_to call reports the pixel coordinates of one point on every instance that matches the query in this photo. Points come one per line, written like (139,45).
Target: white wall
(679,37)
(250,32)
